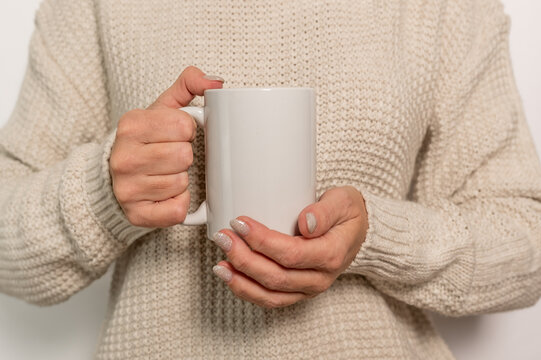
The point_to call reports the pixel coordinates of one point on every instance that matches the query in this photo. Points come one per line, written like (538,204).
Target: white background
(69,330)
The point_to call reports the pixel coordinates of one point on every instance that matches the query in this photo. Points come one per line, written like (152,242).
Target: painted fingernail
(240,227)
(213,77)
(222,272)
(311,222)
(222,240)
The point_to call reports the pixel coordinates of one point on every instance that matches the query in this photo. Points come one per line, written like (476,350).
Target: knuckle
(263,241)
(187,126)
(314,289)
(115,164)
(123,128)
(130,162)
(328,283)
(276,281)
(258,243)
(128,124)
(123,192)
(136,218)
(241,263)
(189,69)
(334,262)
(240,292)
(348,202)
(186,153)
(183,181)
(292,257)
(178,215)
(326,218)
(123,162)
(320,286)
(185,201)
(347,197)
(179,212)
(137,114)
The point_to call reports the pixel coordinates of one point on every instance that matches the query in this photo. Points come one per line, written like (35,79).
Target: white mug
(260,156)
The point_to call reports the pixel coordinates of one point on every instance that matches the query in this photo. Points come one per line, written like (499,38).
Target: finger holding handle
(141,134)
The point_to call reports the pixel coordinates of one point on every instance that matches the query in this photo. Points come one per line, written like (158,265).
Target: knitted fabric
(416,107)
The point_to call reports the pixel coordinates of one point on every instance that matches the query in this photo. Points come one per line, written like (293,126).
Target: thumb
(192,81)
(334,207)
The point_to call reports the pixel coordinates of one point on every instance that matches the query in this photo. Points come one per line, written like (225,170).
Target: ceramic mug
(260,156)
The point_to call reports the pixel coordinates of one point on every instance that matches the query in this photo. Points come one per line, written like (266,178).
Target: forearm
(60,228)
(457,260)
(468,239)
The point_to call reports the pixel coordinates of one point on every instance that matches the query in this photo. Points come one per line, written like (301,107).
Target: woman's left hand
(271,269)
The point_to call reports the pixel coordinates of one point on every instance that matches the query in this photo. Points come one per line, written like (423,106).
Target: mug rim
(258,89)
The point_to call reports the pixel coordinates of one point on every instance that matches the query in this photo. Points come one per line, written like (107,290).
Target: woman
(429,182)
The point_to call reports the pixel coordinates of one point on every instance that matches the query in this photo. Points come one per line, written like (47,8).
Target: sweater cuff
(385,253)
(102,199)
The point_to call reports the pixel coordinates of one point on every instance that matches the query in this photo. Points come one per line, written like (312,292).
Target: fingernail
(222,272)
(222,240)
(240,227)
(311,222)
(213,77)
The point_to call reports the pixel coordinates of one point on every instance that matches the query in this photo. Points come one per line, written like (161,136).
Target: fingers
(293,252)
(165,158)
(156,126)
(267,272)
(335,206)
(162,187)
(161,213)
(153,159)
(152,153)
(151,188)
(247,289)
(191,82)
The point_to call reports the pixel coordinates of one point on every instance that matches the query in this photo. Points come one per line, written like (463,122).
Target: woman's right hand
(152,153)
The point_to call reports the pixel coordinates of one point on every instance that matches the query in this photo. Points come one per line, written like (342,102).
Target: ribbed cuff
(409,243)
(102,199)
(386,250)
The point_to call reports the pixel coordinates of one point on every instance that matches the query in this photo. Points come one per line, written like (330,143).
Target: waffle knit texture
(416,107)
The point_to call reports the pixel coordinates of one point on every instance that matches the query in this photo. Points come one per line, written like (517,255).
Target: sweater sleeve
(60,224)
(468,240)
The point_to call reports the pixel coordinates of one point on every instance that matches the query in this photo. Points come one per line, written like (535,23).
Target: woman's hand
(271,269)
(153,151)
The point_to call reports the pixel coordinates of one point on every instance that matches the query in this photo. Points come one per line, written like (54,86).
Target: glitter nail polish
(222,240)
(240,227)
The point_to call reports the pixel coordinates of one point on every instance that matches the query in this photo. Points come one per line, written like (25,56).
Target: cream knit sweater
(417,107)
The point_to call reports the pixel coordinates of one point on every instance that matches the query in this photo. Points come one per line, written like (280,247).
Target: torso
(373,108)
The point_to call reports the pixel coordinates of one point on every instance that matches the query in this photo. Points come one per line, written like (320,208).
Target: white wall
(65,331)
(69,330)
(516,334)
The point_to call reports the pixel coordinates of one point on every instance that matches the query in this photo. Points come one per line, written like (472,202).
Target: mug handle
(199,217)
